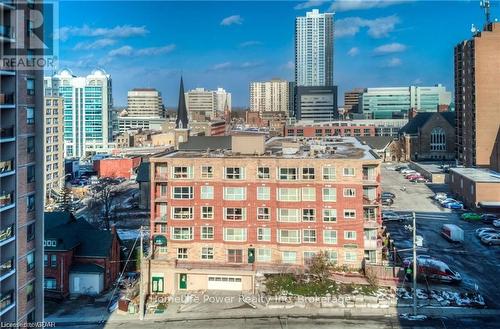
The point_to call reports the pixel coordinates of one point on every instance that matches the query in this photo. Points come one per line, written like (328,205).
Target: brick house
(78,258)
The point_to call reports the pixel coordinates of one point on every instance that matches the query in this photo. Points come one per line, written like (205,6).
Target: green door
(251,255)
(183,281)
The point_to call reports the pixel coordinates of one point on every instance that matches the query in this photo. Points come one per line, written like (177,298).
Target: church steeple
(182,115)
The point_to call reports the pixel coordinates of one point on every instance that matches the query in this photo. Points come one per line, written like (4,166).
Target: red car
(413,176)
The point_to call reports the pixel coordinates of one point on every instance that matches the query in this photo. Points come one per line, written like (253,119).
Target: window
(30,203)
(263,234)
(288,174)
(207,192)
(309,257)
(49,283)
(263,193)
(350,235)
(181,233)
(308,173)
(182,192)
(30,232)
(30,291)
(329,194)
(329,173)
(207,212)
(30,147)
(30,174)
(263,214)
(349,172)
(438,139)
(235,256)
(235,213)
(182,173)
(207,233)
(235,234)
(235,193)
(263,255)
(182,212)
(308,194)
(329,237)
(234,173)
(309,215)
(182,253)
(349,192)
(288,194)
(207,253)
(349,214)
(30,261)
(207,172)
(263,173)
(45,260)
(289,257)
(329,215)
(30,86)
(157,283)
(288,215)
(351,256)
(332,256)
(309,236)
(289,236)
(30,115)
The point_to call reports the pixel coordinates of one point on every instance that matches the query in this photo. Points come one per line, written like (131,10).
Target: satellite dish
(473,29)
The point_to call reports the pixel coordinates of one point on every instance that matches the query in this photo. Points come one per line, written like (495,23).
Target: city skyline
(234,44)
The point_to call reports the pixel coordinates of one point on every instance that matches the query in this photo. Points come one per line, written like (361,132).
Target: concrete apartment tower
(477,97)
(144,102)
(21,169)
(270,96)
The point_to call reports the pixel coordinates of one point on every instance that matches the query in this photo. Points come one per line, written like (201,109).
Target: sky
(231,43)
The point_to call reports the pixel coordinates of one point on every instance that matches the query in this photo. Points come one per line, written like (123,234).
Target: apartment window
(349,192)
(309,257)
(234,173)
(263,173)
(30,203)
(182,233)
(263,255)
(308,194)
(30,174)
(30,86)
(263,213)
(235,234)
(182,192)
(289,257)
(30,291)
(263,193)
(351,256)
(45,260)
(207,212)
(30,115)
(30,261)
(30,145)
(182,253)
(288,194)
(309,215)
(329,237)
(30,232)
(162,228)
(49,283)
(207,233)
(329,215)
(235,214)
(350,235)
(235,256)
(207,253)
(207,172)
(349,214)
(308,173)
(349,172)
(182,212)
(329,194)
(264,234)
(235,193)
(309,236)
(288,174)
(332,256)
(207,192)
(289,236)
(288,215)
(182,173)
(329,173)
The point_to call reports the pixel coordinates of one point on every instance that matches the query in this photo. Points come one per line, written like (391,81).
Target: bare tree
(104,199)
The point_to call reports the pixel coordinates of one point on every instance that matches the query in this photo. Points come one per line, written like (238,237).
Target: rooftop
(478,175)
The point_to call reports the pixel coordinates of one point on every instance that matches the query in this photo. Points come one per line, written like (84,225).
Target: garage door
(224,283)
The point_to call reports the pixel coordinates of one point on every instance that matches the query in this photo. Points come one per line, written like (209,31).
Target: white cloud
(250,43)
(393,62)
(100,43)
(221,66)
(348,5)
(290,65)
(354,51)
(389,48)
(377,28)
(309,4)
(152,51)
(248,65)
(230,20)
(122,51)
(128,51)
(120,31)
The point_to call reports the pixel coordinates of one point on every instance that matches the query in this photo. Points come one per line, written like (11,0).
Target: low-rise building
(477,188)
(117,167)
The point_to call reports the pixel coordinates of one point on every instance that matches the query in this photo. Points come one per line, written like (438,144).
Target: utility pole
(141,286)
(414,265)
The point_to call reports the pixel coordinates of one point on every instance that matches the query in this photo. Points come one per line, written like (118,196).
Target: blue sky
(230,43)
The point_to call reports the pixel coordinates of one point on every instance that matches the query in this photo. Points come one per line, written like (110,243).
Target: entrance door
(182,281)
(76,284)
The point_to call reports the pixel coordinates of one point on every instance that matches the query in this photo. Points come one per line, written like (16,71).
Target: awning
(160,240)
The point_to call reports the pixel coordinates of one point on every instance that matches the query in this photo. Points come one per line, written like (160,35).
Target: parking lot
(478,264)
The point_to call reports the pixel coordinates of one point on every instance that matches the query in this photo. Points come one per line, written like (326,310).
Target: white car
(391,216)
(496,223)
(408,171)
(447,200)
(487,233)
(485,230)
(491,239)
(440,196)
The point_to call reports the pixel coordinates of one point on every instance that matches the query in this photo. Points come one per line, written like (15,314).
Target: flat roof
(478,174)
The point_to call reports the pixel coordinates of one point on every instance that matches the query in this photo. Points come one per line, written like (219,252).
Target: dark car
(488,218)
(399,168)
(388,195)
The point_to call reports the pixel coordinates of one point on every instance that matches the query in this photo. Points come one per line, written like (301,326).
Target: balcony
(6,201)
(161,198)
(6,302)
(7,134)
(369,201)
(370,244)
(6,33)
(161,219)
(370,223)
(7,100)
(7,168)
(161,176)
(7,269)
(7,235)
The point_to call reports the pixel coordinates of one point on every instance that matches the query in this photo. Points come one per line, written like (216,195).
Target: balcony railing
(370,223)
(6,266)
(370,244)
(6,299)
(6,99)
(7,132)
(161,219)
(161,176)
(7,233)
(6,166)
(368,201)
(211,265)
(6,199)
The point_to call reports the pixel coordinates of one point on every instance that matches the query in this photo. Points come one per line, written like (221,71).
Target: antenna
(485,4)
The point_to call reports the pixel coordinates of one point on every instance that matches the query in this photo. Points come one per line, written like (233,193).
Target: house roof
(421,119)
(143,173)
(376,142)
(86,268)
(56,218)
(202,143)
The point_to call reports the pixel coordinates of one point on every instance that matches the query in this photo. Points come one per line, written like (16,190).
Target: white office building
(144,102)
(203,104)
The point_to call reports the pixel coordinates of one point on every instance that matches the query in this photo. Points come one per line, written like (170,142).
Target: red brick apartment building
(221,217)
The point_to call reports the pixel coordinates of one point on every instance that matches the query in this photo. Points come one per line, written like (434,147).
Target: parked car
(388,195)
(447,200)
(419,180)
(452,233)
(496,223)
(453,205)
(491,239)
(391,216)
(486,230)
(387,201)
(411,176)
(433,269)
(399,168)
(472,216)
(488,218)
(440,196)
(408,171)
